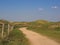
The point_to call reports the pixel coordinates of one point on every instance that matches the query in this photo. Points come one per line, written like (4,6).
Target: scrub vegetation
(50,29)
(15,37)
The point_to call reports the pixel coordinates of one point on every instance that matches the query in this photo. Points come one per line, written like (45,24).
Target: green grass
(53,34)
(16,37)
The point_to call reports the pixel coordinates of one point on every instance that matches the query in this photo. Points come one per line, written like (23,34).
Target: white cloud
(40,9)
(55,7)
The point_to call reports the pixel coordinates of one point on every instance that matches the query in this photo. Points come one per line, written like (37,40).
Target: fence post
(2,30)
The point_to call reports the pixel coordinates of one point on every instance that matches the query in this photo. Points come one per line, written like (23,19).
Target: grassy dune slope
(16,37)
(50,29)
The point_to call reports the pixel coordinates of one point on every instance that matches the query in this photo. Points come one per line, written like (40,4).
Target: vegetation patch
(47,29)
(16,37)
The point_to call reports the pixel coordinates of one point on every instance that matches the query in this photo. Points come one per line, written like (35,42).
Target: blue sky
(29,10)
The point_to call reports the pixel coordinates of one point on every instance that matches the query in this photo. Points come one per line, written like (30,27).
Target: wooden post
(12,28)
(2,30)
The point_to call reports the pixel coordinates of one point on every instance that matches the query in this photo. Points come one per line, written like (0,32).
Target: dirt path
(37,39)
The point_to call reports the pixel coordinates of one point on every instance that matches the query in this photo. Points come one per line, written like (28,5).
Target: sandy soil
(37,39)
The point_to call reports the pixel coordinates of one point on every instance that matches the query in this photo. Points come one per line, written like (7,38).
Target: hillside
(50,29)
(15,37)
(47,28)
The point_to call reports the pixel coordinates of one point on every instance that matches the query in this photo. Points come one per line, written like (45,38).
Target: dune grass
(53,34)
(16,37)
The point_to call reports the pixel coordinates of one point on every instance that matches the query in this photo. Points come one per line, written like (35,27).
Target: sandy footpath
(37,39)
